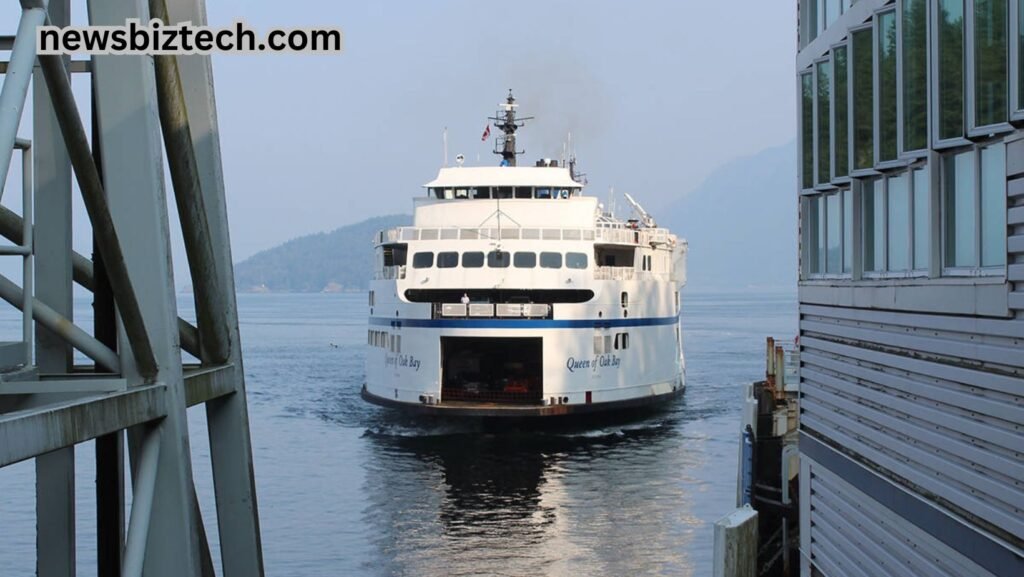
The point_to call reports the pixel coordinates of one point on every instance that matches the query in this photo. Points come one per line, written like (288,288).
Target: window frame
(840,180)
(810,237)
(937,142)
(977,270)
(820,183)
(876,117)
(851,55)
(1016,96)
(901,150)
(800,129)
(975,131)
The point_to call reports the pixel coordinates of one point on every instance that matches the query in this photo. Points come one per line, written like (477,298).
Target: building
(911,188)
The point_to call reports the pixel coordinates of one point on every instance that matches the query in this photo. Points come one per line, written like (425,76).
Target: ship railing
(491,310)
(396,272)
(603,233)
(627,273)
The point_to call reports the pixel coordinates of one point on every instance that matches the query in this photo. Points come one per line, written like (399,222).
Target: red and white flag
(487,133)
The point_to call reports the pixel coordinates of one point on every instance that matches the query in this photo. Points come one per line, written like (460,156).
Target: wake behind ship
(515,295)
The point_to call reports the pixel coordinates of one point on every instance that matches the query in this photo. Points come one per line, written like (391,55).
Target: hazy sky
(656,94)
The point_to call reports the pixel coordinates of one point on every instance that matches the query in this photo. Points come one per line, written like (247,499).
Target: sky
(657,95)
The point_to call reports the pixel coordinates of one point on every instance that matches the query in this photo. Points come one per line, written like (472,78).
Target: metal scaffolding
(138,387)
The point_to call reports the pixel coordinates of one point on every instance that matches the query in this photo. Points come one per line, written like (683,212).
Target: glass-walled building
(911,186)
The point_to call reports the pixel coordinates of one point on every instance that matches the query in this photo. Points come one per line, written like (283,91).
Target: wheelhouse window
(823,70)
(502,192)
(480,192)
(524,260)
(472,260)
(423,260)
(550,260)
(990,62)
(807,129)
(863,99)
(576,260)
(887,119)
(914,55)
(543,193)
(447,259)
(950,69)
(841,119)
(523,192)
(498,259)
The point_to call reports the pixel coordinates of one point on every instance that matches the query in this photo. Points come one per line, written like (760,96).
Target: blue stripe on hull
(523,323)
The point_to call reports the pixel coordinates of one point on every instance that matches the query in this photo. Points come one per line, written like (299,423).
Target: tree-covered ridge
(340,260)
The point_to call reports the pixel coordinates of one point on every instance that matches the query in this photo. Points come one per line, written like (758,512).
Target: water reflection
(451,499)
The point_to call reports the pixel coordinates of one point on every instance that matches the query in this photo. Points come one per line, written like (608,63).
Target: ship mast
(505,120)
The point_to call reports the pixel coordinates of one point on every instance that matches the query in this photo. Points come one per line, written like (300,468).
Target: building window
(847,231)
(873,219)
(897,224)
(993,205)
(960,232)
(922,218)
(815,236)
(914,27)
(1020,55)
(824,73)
(841,119)
(833,248)
(990,62)
(863,100)
(887,119)
(807,129)
(951,69)
(833,9)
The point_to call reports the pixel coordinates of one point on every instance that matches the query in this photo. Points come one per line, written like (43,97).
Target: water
(346,488)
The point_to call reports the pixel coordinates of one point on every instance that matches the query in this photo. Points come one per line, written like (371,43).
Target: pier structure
(145,365)
(911,291)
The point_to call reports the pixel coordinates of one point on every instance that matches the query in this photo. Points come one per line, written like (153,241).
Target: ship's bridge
(545,182)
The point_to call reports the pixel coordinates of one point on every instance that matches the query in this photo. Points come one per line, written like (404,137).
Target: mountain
(340,260)
(741,224)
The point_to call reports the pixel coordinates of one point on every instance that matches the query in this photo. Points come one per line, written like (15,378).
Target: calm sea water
(346,488)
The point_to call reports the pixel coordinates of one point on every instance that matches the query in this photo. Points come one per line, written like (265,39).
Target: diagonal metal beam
(99,212)
(195,228)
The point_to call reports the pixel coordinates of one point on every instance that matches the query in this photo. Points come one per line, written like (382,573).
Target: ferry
(514,294)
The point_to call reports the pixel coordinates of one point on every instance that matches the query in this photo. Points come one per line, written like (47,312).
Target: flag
(487,133)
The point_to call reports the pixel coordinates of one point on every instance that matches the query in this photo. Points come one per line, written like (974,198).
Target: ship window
(576,260)
(498,259)
(503,192)
(423,260)
(472,260)
(481,192)
(524,192)
(543,193)
(621,341)
(524,260)
(371,298)
(550,260)
(449,193)
(624,298)
(447,259)
(461,193)
(598,345)
(607,343)
(395,254)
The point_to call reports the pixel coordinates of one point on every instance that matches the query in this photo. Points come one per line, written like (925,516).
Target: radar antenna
(505,119)
(645,218)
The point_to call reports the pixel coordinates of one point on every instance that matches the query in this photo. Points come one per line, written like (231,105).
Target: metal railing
(603,233)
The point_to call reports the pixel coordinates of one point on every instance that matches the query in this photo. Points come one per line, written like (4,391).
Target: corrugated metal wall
(913,431)
(860,537)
